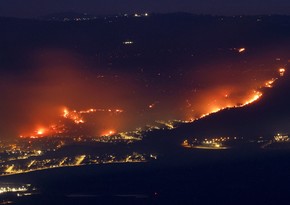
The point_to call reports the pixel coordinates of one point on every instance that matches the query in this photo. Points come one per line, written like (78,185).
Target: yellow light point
(282,71)
(10,169)
(241,50)
(79,160)
(152,105)
(185,144)
(40,132)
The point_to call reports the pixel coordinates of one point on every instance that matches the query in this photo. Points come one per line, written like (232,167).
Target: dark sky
(32,8)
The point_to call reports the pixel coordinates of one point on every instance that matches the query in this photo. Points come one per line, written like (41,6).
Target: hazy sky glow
(32,8)
(58,80)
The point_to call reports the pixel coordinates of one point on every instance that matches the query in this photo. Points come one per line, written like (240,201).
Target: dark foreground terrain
(220,177)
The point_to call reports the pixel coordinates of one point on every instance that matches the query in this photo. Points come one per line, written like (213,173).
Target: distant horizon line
(133,13)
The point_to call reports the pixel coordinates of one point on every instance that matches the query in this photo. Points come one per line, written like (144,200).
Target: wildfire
(108,133)
(40,132)
(65,113)
(213,100)
(269,84)
(73,115)
(77,116)
(88,111)
(256,96)
(36,134)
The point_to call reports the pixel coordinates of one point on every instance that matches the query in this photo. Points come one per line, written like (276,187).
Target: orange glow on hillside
(269,84)
(73,115)
(108,133)
(256,96)
(40,132)
(101,106)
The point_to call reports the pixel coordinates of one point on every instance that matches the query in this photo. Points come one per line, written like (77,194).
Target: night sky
(33,8)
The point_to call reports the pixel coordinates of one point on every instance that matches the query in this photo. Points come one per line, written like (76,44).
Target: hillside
(267,116)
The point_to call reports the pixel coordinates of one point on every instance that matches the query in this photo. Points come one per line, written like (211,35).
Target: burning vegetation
(59,97)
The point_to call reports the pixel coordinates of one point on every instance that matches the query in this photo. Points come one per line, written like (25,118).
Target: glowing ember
(269,84)
(153,105)
(40,132)
(282,71)
(88,111)
(65,113)
(241,50)
(109,133)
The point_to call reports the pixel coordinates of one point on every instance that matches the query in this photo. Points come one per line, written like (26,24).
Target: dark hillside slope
(269,115)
